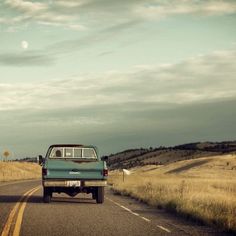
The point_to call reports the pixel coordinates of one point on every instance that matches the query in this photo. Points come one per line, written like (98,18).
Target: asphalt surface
(82,216)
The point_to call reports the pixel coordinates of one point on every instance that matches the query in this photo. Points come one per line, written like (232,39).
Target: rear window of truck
(73,152)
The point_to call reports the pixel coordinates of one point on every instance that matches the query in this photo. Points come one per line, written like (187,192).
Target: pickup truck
(73,169)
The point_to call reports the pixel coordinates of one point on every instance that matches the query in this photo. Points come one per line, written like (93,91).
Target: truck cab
(73,169)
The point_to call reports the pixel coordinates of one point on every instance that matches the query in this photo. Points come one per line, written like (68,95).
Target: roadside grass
(206,192)
(10,171)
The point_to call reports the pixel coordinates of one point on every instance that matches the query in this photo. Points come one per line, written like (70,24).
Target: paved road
(82,216)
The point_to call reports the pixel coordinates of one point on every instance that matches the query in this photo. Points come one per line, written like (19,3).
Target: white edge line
(144,218)
(163,228)
(136,214)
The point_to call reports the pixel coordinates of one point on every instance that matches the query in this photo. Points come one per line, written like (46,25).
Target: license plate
(73,183)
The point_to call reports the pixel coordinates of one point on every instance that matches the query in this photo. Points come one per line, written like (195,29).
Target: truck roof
(71,145)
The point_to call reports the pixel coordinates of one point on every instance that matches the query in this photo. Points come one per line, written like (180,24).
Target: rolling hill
(163,155)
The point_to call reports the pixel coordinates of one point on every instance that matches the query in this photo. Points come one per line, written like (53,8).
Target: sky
(116,74)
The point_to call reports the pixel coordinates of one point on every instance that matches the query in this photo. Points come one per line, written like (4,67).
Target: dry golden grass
(202,189)
(10,171)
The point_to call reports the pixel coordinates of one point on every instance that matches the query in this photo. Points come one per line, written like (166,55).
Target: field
(202,189)
(10,171)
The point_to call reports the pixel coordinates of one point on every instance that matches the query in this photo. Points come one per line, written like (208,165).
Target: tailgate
(67,169)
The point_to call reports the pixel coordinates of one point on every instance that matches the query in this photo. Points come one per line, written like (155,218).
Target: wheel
(47,195)
(100,195)
(94,194)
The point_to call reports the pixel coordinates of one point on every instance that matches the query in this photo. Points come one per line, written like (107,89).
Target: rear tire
(94,194)
(47,195)
(100,195)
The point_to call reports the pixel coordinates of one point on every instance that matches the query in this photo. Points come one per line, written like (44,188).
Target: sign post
(125,172)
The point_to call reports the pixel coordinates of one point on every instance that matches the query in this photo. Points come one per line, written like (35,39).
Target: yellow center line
(13,212)
(17,228)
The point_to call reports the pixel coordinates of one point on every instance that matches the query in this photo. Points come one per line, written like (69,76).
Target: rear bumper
(74,183)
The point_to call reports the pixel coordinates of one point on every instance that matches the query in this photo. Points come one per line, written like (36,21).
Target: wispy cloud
(35,12)
(150,104)
(69,4)
(27,6)
(30,58)
(47,55)
(196,80)
(159,9)
(105,53)
(92,13)
(96,37)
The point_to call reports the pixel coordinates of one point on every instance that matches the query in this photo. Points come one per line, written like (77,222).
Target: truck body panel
(72,169)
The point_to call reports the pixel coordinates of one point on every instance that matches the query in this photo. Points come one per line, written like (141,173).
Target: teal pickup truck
(73,169)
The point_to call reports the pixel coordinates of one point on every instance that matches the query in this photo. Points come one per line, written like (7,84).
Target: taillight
(105,172)
(44,171)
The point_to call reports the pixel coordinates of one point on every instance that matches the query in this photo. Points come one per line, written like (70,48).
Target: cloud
(105,53)
(31,12)
(168,7)
(25,59)
(159,9)
(27,6)
(149,105)
(63,25)
(69,4)
(196,80)
(113,128)
(144,9)
(98,36)
(78,15)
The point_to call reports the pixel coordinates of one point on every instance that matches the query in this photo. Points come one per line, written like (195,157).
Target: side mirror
(40,159)
(104,158)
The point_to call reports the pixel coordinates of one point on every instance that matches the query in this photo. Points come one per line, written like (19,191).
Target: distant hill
(163,155)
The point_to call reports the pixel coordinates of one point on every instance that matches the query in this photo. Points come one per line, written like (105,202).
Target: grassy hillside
(163,155)
(18,171)
(203,189)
